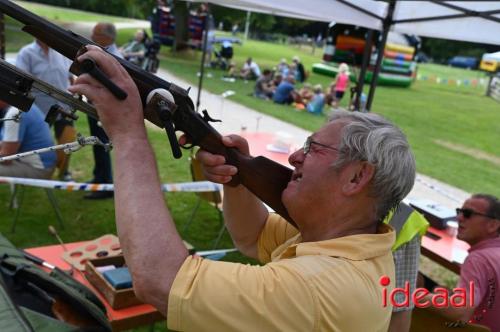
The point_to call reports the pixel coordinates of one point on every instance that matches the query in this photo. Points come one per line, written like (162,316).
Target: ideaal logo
(440,297)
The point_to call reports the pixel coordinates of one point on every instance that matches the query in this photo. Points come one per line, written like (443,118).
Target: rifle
(263,177)
(16,86)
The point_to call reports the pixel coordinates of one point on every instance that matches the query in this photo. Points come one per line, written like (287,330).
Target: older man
(347,177)
(479,226)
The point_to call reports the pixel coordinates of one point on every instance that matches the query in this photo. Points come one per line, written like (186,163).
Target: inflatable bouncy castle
(397,69)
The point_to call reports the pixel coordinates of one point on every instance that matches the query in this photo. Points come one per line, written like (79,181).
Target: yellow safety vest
(407,223)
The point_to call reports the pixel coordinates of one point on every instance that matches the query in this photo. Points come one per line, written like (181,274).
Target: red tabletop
(259,142)
(122,319)
(447,251)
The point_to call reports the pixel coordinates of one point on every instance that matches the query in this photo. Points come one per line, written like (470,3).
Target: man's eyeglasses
(309,141)
(467,213)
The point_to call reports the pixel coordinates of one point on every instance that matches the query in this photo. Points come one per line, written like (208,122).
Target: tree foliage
(126,8)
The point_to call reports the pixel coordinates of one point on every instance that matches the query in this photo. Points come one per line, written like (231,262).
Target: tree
(181,13)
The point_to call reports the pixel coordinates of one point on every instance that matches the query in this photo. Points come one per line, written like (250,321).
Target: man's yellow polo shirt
(321,286)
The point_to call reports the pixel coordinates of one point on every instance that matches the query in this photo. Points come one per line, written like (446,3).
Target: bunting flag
(474,82)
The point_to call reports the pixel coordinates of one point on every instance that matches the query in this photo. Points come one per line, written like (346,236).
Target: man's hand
(119,117)
(215,167)
(244,224)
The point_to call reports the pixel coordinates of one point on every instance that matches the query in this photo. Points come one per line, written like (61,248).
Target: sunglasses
(467,213)
(309,141)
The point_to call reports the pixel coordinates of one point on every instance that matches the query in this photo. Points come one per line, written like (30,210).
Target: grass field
(451,129)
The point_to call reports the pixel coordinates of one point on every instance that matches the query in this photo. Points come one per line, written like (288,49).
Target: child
(341,84)
(316,104)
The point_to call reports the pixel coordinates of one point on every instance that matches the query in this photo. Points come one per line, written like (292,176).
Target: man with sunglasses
(479,226)
(346,179)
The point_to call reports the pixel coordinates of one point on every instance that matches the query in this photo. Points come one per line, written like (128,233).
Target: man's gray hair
(370,137)
(108,29)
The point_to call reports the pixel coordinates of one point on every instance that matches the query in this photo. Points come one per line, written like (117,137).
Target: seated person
(282,67)
(250,70)
(135,50)
(317,102)
(276,81)
(285,92)
(31,132)
(263,88)
(479,226)
(306,93)
(300,72)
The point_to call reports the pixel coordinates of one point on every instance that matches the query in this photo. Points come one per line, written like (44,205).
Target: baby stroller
(223,57)
(151,61)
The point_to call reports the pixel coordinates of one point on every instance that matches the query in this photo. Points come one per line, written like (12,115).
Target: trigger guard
(187,146)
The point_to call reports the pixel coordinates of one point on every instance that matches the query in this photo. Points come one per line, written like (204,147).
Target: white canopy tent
(472,21)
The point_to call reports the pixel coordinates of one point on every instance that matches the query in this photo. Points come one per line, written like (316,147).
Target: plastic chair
(214,198)
(425,320)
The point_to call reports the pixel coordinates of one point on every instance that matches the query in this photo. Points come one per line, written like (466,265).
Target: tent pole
(203,55)
(385,32)
(247,24)
(366,58)
(2,36)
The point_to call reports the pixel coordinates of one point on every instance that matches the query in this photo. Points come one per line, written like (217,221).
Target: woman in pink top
(341,84)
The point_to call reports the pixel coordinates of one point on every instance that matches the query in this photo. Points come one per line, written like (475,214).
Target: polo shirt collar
(353,247)
(486,244)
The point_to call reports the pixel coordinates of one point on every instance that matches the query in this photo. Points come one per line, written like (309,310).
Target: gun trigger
(207,117)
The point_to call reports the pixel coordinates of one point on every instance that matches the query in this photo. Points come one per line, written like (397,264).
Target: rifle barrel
(48,89)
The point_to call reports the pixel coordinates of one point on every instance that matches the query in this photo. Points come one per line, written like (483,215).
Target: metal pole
(2,36)
(366,59)
(203,55)
(387,25)
(247,24)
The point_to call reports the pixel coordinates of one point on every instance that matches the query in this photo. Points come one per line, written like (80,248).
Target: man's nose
(296,158)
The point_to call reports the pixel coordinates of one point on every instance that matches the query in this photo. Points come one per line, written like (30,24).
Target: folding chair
(17,204)
(425,320)
(61,162)
(214,198)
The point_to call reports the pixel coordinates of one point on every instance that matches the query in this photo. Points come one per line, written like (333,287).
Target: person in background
(285,92)
(479,226)
(276,81)
(135,50)
(250,70)
(104,35)
(341,84)
(300,72)
(29,133)
(263,88)
(44,63)
(282,68)
(306,93)
(317,102)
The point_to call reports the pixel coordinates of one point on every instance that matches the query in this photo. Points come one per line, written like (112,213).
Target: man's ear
(357,176)
(493,226)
